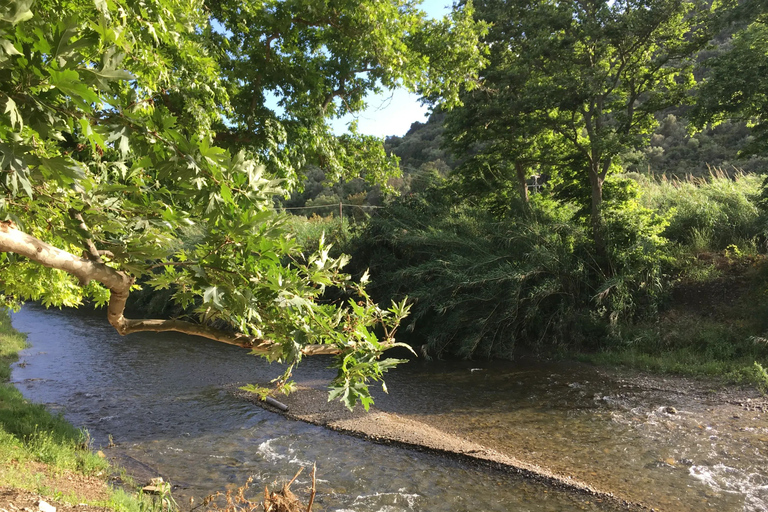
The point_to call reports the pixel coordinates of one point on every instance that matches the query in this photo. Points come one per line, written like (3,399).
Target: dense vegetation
(586,199)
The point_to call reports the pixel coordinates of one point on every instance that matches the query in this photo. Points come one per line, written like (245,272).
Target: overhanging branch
(119,284)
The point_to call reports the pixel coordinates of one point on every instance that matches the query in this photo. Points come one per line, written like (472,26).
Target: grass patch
(11,342)
(335,231)
(684,362)
(42,452)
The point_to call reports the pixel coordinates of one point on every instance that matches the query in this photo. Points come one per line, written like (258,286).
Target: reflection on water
(160,397)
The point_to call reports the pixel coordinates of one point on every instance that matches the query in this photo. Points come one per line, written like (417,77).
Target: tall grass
(336,231)
(709,214)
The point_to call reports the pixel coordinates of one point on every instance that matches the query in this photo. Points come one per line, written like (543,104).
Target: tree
(315,60)
(111,173)
(576,83)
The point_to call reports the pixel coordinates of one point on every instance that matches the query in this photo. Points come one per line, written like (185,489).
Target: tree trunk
(522,180)
(119,284)
(596,181)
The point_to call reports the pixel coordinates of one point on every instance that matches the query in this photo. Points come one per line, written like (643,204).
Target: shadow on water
(161,397)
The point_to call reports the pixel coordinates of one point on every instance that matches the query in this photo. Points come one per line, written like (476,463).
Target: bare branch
(314,488)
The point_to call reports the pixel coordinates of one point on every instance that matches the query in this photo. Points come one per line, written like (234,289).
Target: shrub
(487,286)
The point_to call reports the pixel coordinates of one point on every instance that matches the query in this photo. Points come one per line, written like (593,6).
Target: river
(164,400)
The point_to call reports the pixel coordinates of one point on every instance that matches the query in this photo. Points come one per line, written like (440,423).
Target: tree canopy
(143,141)
(572,85)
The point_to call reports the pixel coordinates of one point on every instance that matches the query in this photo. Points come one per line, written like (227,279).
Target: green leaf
(226,193)
(13,112)
(8,47)
(18,11)
(63,169)
(68,82)
(212,295)
(112,75)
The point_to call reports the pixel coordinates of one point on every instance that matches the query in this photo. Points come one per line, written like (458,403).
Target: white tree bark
(119,284)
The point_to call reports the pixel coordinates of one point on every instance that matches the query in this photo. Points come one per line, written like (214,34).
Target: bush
(484,286)
(636,251)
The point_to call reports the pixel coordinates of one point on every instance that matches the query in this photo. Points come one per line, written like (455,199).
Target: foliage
(735,86)
(337,233)
(317,197)
(313,61)
(112,113)
(735,89)
(675,151)
(573,85)
(636,250)
(487,285)
(760,376)
(12,343)
(727,343)
(421,145)
(709,214)
(420,155)
(484,286)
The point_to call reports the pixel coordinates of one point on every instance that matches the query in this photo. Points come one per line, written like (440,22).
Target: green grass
(11,342)
(684,362)
(31,434)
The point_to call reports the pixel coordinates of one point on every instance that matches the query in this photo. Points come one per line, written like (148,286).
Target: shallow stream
(162,398)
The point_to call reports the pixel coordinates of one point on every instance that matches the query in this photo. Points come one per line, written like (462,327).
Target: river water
(163,399)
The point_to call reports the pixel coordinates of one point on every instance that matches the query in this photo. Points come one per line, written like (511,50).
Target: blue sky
(392,112)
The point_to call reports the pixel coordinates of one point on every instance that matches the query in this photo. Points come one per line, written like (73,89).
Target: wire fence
(314,207)
(340,205)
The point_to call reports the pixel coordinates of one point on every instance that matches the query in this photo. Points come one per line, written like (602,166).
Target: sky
(392,112)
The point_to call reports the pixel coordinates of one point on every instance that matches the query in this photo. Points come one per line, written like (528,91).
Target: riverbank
(44,458)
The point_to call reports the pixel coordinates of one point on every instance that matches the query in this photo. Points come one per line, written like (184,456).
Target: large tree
(575,83)
(143,140)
